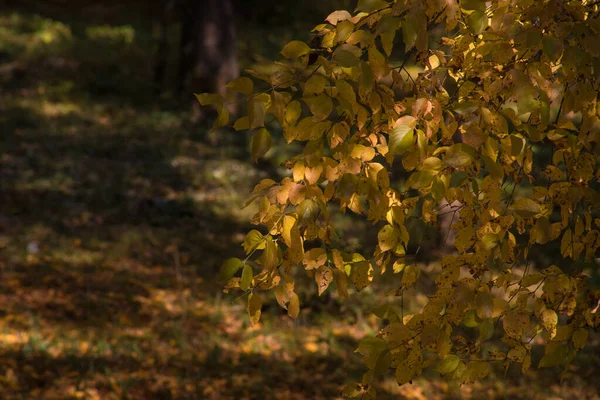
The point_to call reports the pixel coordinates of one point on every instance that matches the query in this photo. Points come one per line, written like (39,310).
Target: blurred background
(117,208)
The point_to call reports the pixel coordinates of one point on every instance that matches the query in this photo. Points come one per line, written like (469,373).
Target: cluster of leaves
(502,82)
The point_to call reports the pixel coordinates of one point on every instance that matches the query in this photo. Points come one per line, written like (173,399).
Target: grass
(115,215)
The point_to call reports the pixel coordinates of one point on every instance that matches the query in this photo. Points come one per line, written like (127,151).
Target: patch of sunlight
(59,109)
(76,257)
(112,34)
(14,338)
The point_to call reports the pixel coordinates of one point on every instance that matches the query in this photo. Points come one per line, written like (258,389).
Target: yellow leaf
(410,367)
(247,275)
(292,112)
(294,306)
(341,283)
(369,6)
(401,140)
(314,258)
(315,85)
(579,338)
(261,143)
(343,31)
(399,265)
(206,99)
(254,306)
(254,241)
(464,239)
(270,257)
(323,277)
(515,324)
(448,364)
(378,63)
(526,208)
(486,330)
(566,244)
(242,85)
(410,276)
(457,158)
(320,106)
(361,274)
(388,238)
(295,49)
(242,124)
(222,117)
(438,188)
(549,319)
(517,354)
(556,354)
(484,304)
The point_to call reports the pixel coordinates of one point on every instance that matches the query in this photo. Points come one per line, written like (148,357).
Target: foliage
(502,83)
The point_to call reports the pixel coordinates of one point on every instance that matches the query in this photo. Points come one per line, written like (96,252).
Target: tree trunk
(208,48)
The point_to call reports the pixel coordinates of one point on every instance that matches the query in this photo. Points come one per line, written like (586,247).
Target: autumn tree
(501,125)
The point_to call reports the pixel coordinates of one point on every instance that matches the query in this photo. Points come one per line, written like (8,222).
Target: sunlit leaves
(491,134)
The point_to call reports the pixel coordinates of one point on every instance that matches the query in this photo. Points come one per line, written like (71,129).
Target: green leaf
(438,189)
(261,143)
(458,178)
(295,49)
(486,330)
(242,85)
(448,364)
(477,21)
(409,33)
(401,139)
(552,47)
(229,268)
(247,276)
(254,241)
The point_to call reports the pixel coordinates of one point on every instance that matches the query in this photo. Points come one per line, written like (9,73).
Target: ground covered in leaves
(115,215)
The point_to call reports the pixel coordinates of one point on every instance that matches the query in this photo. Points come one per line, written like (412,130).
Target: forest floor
(115,215)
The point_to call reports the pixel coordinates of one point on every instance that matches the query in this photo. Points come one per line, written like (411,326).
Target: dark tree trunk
(207,49)
(162,53)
